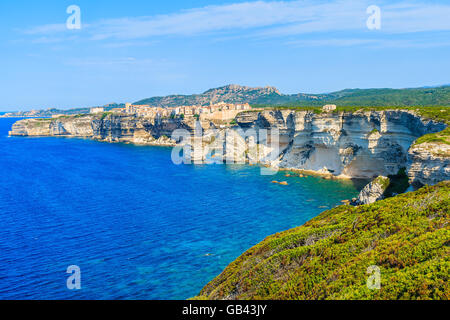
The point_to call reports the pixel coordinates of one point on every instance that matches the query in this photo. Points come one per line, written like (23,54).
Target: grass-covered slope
(407,237)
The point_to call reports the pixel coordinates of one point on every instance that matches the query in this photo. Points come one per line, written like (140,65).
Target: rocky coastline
(363,144)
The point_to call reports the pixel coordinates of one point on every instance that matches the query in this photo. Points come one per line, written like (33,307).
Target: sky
(129,50)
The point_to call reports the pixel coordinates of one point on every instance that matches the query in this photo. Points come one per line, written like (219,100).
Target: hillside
(271,96)
(229,94)
(407,237)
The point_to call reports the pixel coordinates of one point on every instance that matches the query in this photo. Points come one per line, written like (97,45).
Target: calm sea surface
(138,226)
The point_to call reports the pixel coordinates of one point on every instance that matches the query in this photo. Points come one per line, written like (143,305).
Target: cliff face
(70,126)
(429,163)
(353,145)
(110,128)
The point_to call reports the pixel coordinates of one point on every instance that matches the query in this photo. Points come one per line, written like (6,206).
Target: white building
(97,110)
(329,107)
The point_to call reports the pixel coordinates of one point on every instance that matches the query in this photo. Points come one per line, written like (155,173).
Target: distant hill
(230,94)
(271,96)
(53,111)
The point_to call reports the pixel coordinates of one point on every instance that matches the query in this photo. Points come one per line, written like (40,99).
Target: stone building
(97,110)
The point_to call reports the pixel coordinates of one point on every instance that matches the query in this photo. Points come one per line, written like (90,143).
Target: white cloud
(87,62)
(373,43)
(331,42)
(124,44)
(268,19)
(46,29)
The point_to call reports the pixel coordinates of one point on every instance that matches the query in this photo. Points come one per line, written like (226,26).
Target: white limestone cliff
(363,144)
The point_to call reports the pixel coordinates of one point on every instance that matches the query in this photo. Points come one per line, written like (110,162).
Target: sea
(134,224)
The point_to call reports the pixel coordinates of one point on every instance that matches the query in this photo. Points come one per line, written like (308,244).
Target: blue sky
(129,50)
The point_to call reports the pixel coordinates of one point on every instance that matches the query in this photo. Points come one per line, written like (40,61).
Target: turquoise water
(138,226)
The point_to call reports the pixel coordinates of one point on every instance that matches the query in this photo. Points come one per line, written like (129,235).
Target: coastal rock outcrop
(104,127)
(429,163)
(75,126)
(374,191)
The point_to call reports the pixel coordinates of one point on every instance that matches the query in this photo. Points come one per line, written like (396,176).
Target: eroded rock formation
(374,191)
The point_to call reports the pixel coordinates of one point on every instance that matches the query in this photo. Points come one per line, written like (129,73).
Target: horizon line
(227,85)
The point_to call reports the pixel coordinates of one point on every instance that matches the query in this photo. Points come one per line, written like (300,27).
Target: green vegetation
(64,117)
(434,113)
(375,97)
(383,181)
(391,97)
(105,114)
(440,137)
(406,236)
(437,114)
(42,122)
